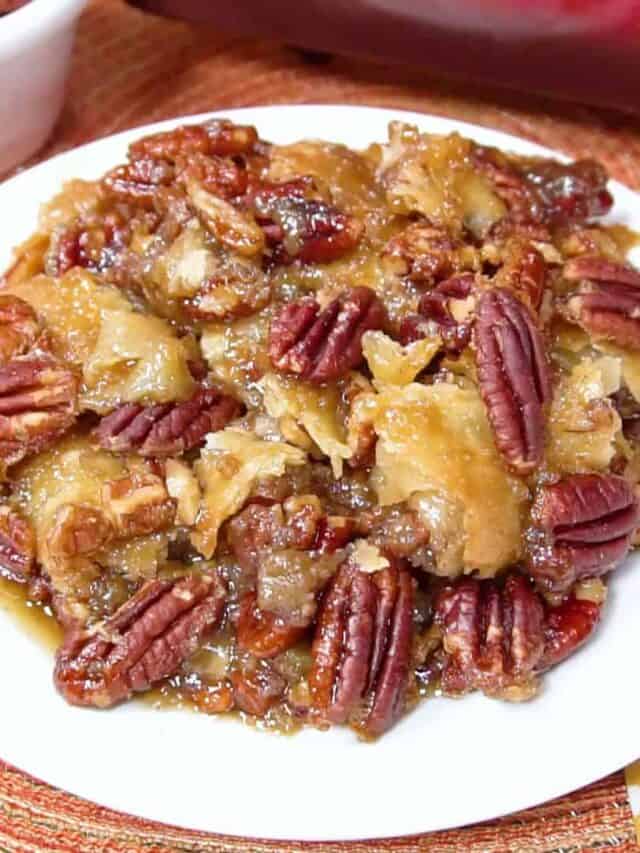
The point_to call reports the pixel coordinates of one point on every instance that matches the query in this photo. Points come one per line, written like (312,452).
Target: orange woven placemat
(132,69)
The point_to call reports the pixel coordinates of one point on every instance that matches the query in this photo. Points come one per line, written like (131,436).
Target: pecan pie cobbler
(311,433)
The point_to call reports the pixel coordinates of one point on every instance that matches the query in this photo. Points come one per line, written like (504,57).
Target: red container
(584,50)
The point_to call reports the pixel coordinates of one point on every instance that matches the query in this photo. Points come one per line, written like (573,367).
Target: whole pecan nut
(262,633)
(166,429)
(17,545)
(38,403)
(137,182)
(362,645)
(219,137)
(582,527)
(299,226)
(19,327)
(447,310)
(567,627)
(323,345)
(607,302)
(493,636)
(544,191)
(217,175)
(144,642)
(514,377)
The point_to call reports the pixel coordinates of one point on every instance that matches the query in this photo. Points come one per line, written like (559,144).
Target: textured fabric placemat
(131,69)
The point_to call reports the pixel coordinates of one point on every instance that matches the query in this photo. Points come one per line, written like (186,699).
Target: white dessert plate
(448,763)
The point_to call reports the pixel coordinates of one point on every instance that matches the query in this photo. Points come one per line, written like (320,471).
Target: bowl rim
(35,20)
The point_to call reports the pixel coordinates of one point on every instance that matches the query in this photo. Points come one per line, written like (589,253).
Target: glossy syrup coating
(304,432)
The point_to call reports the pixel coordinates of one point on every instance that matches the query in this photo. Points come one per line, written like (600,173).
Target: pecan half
(492,636)
(544,191)
(17,545)
(217,175)
(219,137)
(361,648)
(138,504)
(607,302)
(263,633)
(447,310)
(567,627)
(38,403)
(514,377)
(137,182)
(166,429)
(323,345)
(569,192)
(19,327)
(582,527)
(144,642)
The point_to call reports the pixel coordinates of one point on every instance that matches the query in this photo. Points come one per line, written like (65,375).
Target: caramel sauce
(625,238)
(35,619)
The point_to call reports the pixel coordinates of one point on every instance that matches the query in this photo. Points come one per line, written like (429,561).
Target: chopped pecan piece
(257,687)
(525,273)
(332,533)
(447,310)
(166,429)
(629,410)
(218,137)
(422,253)
(38,403)
(139,504)
(263,633)
(289,551)
(567,627)
(93,245)
(145,641)
(273,526)
(493,636)
(17,545)
(19,327)
(607,302)
(78,529)
(582,527)
(361,649)
(514,379)
(323,345)
(395,530)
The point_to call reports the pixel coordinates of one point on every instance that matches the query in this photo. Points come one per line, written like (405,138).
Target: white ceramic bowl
(35,47)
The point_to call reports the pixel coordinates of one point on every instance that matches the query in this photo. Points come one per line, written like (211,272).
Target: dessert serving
(310,433)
